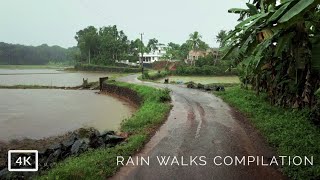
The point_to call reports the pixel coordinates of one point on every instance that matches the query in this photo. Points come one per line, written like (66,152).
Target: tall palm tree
(195,40)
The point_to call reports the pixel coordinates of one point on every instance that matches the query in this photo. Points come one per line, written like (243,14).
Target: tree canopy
(15,54)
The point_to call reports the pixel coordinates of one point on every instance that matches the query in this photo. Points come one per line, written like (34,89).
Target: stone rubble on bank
(208,87)
(79,142)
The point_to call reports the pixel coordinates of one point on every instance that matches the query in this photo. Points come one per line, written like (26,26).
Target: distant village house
(196,54)
(152,56)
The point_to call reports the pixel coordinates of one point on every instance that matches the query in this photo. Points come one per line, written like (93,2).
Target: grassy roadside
(153,75)
(101,163)
(289,131)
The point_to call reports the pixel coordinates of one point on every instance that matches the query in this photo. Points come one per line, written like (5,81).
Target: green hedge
(87,67)
(203,71)
(154,76)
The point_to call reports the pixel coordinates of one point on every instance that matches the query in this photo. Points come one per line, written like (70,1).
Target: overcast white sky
(55,22)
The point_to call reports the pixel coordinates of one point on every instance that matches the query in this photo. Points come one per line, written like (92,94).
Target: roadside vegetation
(153,75)
(275,48)
(101,163)
(289,131)
(204,79)
(207,66)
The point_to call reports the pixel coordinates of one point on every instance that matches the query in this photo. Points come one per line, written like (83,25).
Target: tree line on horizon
(16,54)
(107,44)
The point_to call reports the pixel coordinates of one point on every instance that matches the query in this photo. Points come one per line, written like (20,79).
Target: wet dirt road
(201,124)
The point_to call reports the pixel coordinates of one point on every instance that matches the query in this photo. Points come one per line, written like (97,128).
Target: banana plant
(277,46)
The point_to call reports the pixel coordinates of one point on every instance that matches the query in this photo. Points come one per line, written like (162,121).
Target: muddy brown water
(46,77)
(42,113)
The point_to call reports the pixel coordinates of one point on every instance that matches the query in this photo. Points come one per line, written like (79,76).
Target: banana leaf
(282,42)
(255,21)
(279,12)
(237,10)
(240,25)
(317,93)
(297,9)
(253,9)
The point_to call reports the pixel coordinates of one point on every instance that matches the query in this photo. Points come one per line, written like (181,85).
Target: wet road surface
(200,124)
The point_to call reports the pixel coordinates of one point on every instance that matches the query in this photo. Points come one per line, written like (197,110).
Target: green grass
(101,163)
(30,67)
(289,131)
(153,75)
(205,79)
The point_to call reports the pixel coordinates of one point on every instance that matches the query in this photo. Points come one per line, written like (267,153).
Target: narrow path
(200,124)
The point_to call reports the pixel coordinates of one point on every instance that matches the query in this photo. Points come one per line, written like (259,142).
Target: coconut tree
(195,40)
(276,43)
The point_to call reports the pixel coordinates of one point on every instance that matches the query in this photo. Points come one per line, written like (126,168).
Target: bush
(203,71)
(155,76)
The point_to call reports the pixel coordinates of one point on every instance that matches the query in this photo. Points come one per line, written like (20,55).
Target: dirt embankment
(124,93)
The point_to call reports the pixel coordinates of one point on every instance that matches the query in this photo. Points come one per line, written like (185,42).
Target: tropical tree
(88,41)
(173,51)
(195,41)
(152,45)
(114,43)
(276,45)
(135,48)
(221,36)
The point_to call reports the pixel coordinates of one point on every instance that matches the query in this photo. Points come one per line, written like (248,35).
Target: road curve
(200,124)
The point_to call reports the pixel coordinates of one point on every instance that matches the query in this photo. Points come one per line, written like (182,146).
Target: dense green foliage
(105,45)
(277,49)
(154,76)
(90,67)
(101,163)
(289,131)
(221,36)
(208,65)
(205,70)
(180,52)
(15,54)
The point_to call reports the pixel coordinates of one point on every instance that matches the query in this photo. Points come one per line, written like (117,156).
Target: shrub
(155,76)
(203,71)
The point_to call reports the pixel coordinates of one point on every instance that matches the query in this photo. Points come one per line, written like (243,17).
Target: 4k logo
(23,160)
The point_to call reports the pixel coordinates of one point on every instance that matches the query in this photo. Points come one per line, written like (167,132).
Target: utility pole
(141,50)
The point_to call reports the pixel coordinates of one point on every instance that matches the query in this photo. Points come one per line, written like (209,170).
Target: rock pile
(79,142)
(206,87)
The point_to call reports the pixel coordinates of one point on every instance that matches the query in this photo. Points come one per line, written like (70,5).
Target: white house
(152,56)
